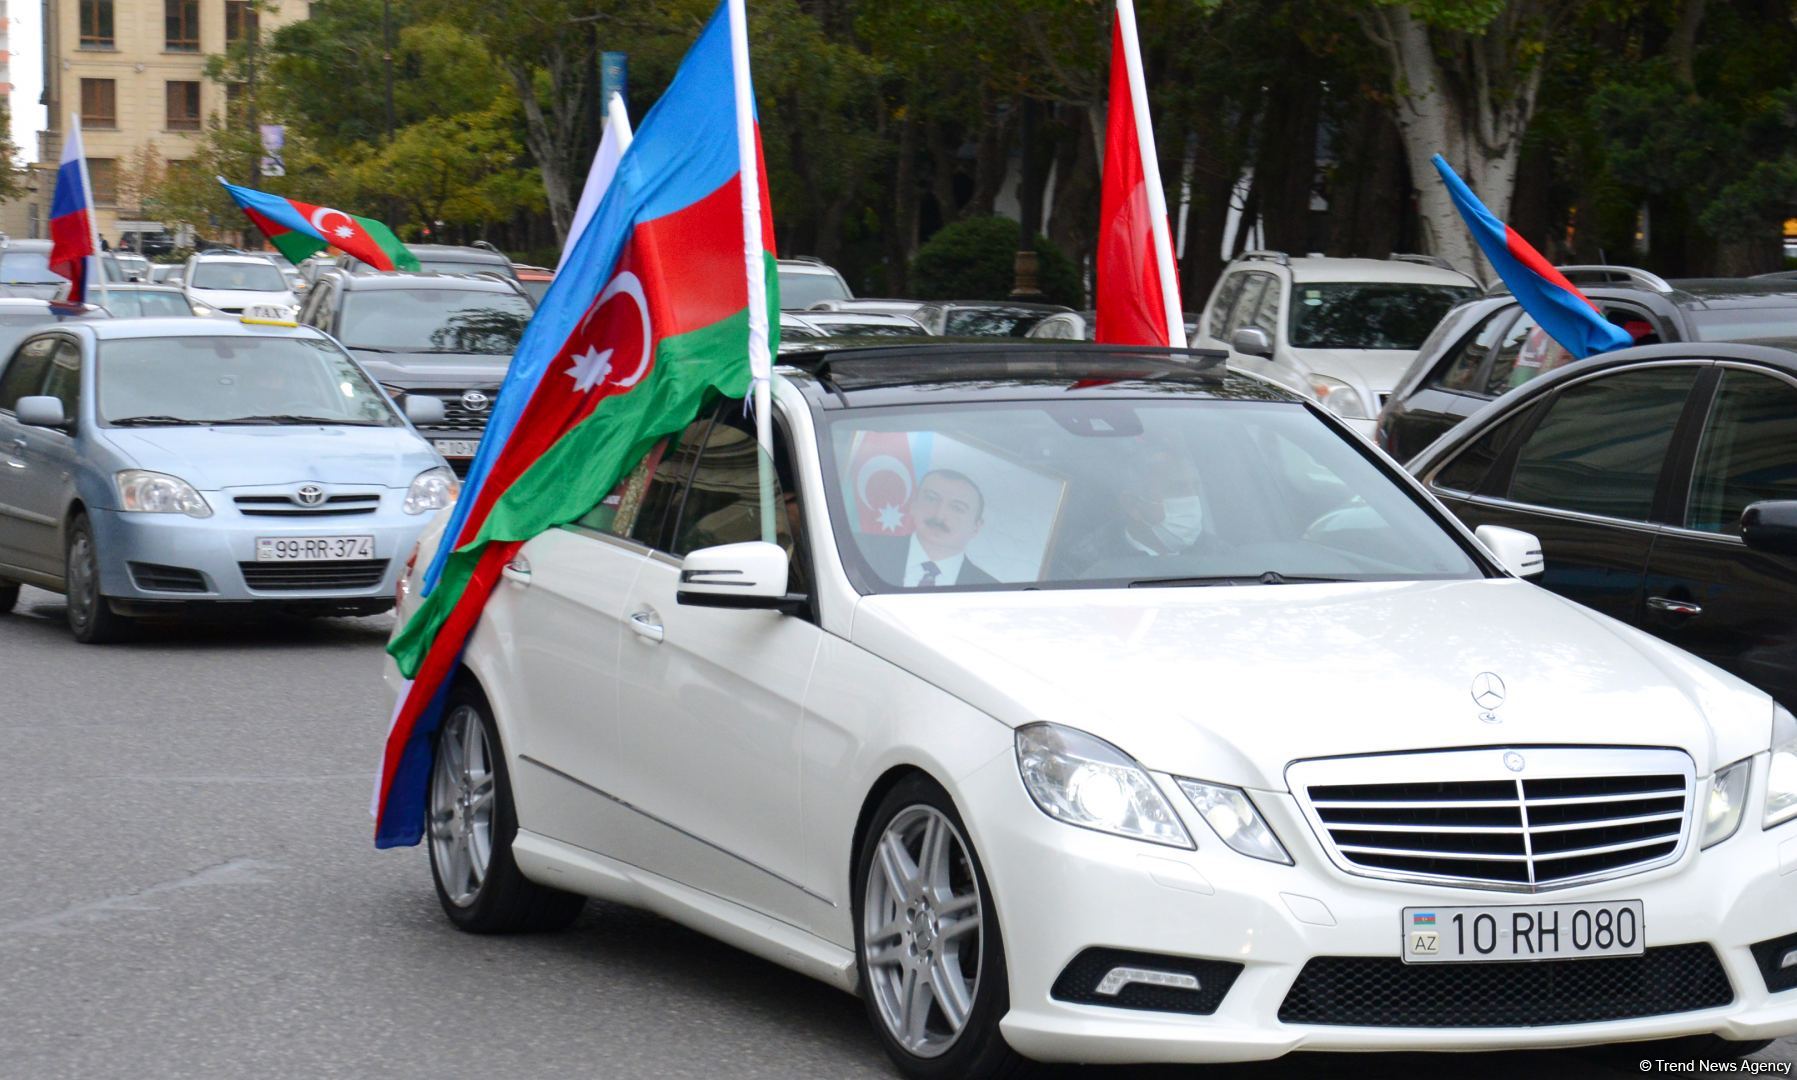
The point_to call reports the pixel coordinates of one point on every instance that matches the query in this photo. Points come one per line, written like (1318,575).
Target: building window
(183,106)
(241,20)
(99,103)
(182,21)
(96,24)
(104,174)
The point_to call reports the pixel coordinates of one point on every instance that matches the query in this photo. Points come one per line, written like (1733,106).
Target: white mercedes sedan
(1110,706)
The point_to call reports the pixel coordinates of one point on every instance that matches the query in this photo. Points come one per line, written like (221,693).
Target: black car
(449,336)
(983,318)
(446,259)
(1662,483)
(1489,345)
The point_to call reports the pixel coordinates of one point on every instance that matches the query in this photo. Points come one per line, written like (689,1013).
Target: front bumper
(1060,890)
(156,561)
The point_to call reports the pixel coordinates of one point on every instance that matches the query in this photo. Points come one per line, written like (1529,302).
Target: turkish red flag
(1133,306)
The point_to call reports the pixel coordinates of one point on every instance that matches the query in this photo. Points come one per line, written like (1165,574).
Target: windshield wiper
(148,421)
(1269,577)
(291,418)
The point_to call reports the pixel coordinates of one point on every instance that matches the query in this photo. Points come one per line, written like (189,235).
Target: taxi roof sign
(269,315)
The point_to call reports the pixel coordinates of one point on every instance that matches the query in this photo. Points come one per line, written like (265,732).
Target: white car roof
(231,259)
(1310,269)
(177,326)
(790,267)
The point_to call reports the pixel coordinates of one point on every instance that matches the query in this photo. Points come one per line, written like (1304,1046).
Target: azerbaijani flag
(665,303)
(72,216)
(300,230)
(1555,303)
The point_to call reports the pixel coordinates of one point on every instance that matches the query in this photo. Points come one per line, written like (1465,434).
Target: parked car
(164,466)
(132,267)
(1490,345)
(1662,481)
(1348,328)
(25,271)
(1083,325)
(311,268)
(806,281)
(1104,705)
(535,280)
(167,273)
(878,306)
(864,324)
(20,316)
(445,259)
(231,283)
(131,301)
(983,318)
(448,337)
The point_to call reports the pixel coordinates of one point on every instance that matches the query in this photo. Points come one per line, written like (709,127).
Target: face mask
(1182,519)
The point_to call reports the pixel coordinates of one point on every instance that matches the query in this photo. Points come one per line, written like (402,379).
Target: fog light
(1790,960)
(1118,978)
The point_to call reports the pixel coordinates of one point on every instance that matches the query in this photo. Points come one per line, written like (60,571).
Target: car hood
(238,299)
(1232,684)
(434,371)
(211,458)
(1380,369)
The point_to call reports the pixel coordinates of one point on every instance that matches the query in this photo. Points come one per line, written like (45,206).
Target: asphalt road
(188,890)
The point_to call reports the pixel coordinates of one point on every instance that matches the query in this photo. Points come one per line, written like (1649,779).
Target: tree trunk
(1285,172)
(552,135)
(1468,98)
(901,238)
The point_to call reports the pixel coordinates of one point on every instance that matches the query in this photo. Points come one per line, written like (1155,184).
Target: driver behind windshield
(1160,513)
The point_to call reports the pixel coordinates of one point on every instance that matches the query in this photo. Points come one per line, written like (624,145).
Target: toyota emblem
(475,401)
(309,495)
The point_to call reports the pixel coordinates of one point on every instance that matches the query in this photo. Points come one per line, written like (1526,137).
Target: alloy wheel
(461,809)
(83,589)
(922,929)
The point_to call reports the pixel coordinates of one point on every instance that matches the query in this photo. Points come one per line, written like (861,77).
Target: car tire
(91,618)
(923,918)
(1691,1048)
(9,596)
(469,826)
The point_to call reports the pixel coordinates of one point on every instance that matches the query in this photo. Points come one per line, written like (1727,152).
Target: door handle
(1682,608)
(18,447)
(646,624)
(518,570)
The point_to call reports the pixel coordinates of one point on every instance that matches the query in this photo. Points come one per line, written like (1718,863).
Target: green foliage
(975,259)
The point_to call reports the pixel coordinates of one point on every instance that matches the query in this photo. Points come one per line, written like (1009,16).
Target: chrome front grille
(457,417)
(358,502)
(1524,819)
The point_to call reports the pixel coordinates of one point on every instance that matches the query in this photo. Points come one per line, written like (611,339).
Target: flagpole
(93,209)
(760,361)
(1151,176)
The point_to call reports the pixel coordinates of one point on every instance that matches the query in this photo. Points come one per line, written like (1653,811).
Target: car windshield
(799,289)
(536,287)
(1743,322)
(28,266)
(1369,315)
(991,321)
(1108,493)
(238,277)
(236,378)
(127,303)
(434,320)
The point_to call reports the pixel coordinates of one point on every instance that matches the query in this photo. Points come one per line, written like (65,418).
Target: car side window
(665,484)
(1466,471)
(1527,353)
(1266,312)
(63,381)
(1601,444)
(723,503)
(1254,286)
(1460,371)
(24,377)
(620,510)
(1226,296)
(1748,453)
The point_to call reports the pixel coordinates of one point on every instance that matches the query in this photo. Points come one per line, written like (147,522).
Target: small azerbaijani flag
(1422,918)
(72,216)
(300,230)
(666,302)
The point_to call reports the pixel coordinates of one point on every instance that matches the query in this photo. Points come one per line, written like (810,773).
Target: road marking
(235,872)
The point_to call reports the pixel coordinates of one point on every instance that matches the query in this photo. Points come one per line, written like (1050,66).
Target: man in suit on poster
(946,512)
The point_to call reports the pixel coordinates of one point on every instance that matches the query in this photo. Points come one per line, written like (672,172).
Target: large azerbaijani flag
(301,230)
(665,303)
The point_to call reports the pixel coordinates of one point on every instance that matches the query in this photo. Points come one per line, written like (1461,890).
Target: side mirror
(424,410)
(1251,341)
(1516,551)
(1766,526)
(41,411)
(749,575)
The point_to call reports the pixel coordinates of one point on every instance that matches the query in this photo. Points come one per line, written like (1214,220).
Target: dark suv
(446,259)
(1489,345)
(449,336)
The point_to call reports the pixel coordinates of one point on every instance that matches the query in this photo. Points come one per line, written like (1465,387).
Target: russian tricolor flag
(72,216)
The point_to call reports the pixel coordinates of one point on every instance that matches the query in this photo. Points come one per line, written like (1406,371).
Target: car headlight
(1232,815)
(1728,797)
(1339,398)
(1781,778)
(1085,781)
(202,310)
(145,492)
(432,490)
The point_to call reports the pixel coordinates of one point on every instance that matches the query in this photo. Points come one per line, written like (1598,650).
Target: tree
(972,260)
(459,170)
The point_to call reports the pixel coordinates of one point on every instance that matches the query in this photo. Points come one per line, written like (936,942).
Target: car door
(563,596)
(1707,591)
(38,461)
(1586,478)
(711,699)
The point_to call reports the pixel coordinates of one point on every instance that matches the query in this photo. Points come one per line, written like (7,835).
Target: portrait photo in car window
(928,499)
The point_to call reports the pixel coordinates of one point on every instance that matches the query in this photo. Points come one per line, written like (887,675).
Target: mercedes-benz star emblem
(475,401)
(1513,761)
(1488,691)
(309,495)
